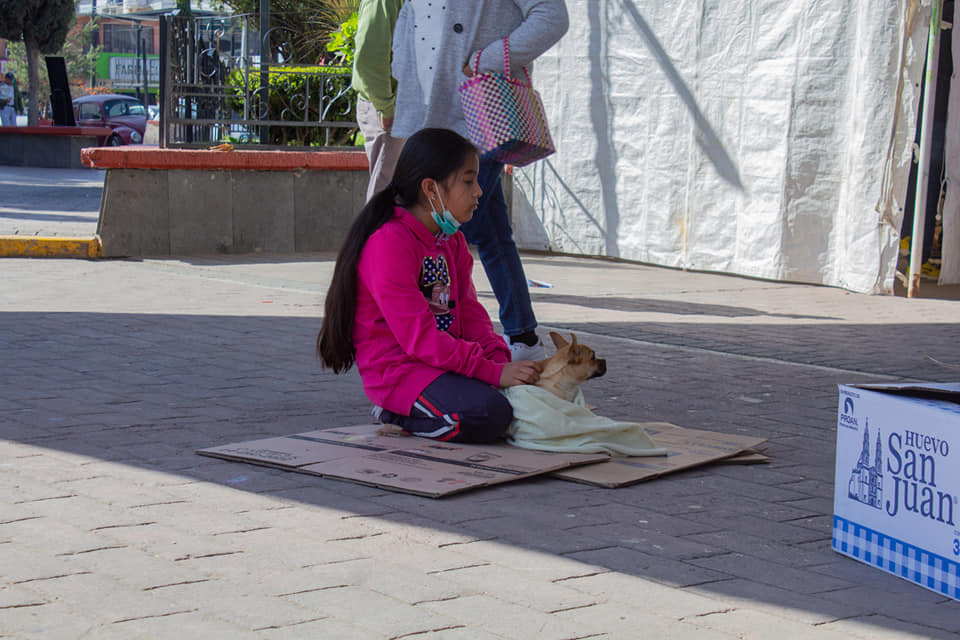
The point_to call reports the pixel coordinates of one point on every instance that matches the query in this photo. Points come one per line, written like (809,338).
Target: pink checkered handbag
(504,115)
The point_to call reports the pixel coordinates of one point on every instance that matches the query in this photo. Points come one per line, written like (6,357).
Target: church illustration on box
(866,480)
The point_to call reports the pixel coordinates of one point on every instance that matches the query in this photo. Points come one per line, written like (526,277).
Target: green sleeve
(371,62)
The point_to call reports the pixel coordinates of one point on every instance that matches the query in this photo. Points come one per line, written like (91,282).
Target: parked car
(123,114)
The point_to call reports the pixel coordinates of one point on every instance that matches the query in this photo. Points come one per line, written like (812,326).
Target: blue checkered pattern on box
(897,557)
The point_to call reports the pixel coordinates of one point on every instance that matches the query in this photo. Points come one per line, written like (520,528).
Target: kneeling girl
(403,307)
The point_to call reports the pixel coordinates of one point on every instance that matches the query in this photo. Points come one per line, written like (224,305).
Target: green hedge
(290,99)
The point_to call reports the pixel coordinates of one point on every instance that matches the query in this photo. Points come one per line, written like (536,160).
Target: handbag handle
(506,62)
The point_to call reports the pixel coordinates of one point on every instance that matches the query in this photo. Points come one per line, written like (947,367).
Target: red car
(125,115)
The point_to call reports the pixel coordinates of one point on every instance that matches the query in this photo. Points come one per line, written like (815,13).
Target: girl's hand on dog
(520,372)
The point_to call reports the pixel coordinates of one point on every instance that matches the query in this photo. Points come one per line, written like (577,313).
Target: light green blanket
(541,420)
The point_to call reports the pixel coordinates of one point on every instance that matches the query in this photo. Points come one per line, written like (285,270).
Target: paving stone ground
(49,202)
(116,371)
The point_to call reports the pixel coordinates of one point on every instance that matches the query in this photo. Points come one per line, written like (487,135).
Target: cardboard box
(898,479)
(686,448)
(412,465)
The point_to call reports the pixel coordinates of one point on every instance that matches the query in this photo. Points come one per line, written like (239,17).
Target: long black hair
(429,153)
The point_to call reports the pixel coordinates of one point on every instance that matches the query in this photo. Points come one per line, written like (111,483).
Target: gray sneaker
(523,351)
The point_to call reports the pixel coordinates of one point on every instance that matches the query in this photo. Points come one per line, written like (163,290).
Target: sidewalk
(116,371)
(49,212)
(49,202)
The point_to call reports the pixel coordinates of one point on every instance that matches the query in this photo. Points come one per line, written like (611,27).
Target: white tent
(812,105)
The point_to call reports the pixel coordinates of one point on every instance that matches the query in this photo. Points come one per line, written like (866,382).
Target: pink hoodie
(418,315)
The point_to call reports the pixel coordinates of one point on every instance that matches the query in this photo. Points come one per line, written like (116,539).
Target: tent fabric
(814,103)
(950,247)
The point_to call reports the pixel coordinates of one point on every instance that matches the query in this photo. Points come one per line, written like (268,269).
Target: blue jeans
(490,231)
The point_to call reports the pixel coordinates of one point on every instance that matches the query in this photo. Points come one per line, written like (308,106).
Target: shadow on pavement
(61,198)
(148,390)
(650,305)
(52,217)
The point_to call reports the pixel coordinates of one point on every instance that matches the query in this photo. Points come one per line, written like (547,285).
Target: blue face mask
(445,220)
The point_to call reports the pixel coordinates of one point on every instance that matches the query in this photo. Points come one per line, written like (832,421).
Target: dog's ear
(573,339)
(558,340)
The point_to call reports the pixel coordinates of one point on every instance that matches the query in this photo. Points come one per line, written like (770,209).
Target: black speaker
(60,98)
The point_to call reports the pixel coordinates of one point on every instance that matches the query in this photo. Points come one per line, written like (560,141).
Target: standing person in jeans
(376,89)
(433,42)
(8,100)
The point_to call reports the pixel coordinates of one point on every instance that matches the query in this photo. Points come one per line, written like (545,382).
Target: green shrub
(343,41)
(302,94)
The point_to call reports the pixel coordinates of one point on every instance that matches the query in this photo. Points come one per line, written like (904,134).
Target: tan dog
(572,365)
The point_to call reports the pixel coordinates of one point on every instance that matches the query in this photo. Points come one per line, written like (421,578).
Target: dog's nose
(601,368)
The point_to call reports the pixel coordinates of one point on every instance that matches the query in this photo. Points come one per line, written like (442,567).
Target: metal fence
(220,81)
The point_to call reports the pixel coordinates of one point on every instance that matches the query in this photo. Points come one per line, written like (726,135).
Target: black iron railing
(222,82)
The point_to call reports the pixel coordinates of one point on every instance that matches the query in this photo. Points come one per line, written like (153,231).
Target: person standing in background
(8,100)
(376,89)
(433,45)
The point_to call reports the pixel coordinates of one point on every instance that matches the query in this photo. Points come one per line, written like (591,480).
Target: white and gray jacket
(434,39)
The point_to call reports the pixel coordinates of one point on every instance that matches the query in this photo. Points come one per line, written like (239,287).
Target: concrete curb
(40,247)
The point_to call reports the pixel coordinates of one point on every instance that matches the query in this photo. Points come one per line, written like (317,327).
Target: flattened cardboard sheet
(407,464)
(687,448)
(300,449)
(746,457)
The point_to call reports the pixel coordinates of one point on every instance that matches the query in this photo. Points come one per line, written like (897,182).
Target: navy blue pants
(455,408)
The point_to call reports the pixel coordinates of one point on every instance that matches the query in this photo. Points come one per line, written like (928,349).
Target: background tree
(42,25)
(78,52)
(302,27)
